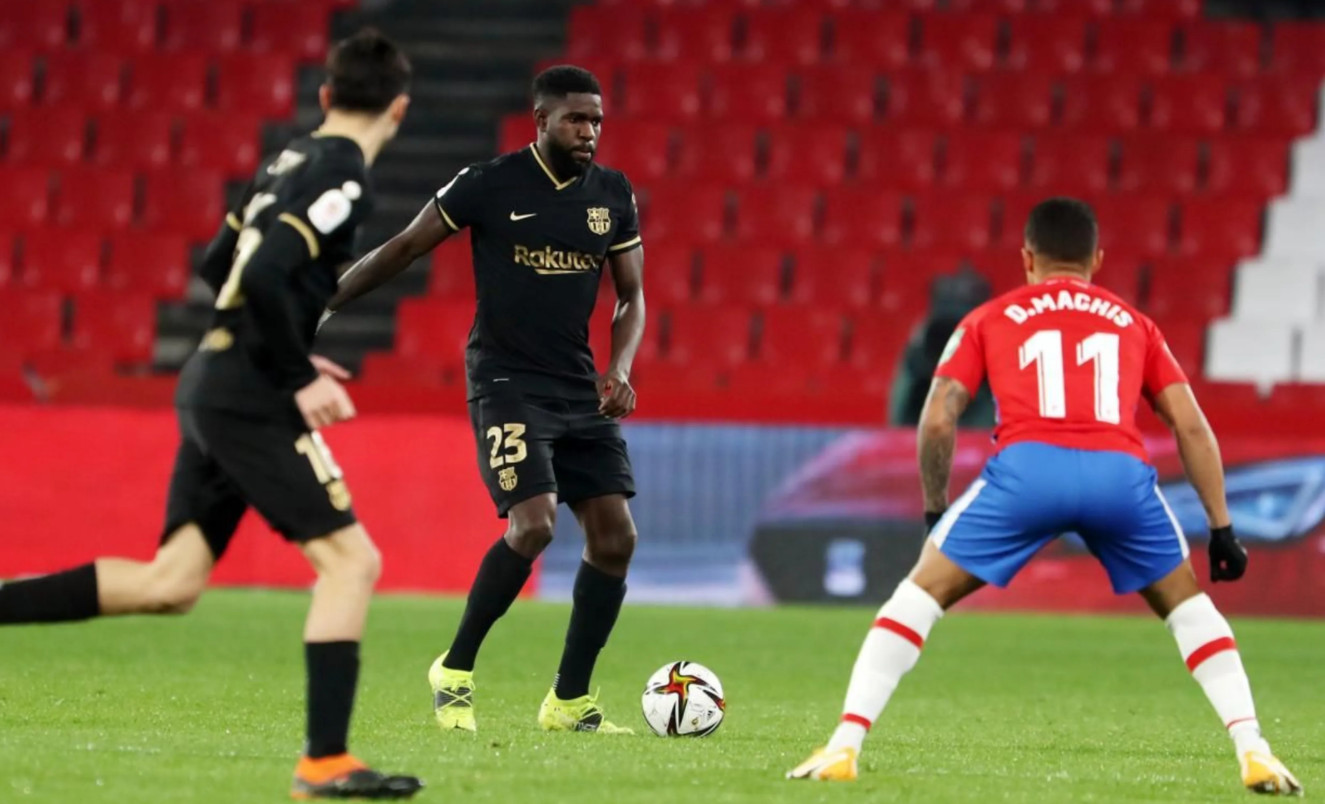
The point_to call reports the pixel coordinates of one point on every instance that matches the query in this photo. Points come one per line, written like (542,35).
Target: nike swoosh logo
(515,217)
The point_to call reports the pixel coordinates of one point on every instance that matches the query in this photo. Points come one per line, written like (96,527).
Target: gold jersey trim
(634,241)
(232,220)
(560,185)
(437,202)
(303,229)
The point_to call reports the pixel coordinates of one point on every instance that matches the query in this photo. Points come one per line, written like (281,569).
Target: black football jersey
(538,245)
(319,187)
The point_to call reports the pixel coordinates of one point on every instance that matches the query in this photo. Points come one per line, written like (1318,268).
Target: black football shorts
(531,445)
(228,461)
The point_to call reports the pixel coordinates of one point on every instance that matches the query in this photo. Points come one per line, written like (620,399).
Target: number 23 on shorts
(508,449)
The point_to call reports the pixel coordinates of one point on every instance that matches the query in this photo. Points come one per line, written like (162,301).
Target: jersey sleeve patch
(954,343)
(330,210)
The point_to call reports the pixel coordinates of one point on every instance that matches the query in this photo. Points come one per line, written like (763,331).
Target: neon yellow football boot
(1262,773)
(838,765)
(452,697)
(579,714)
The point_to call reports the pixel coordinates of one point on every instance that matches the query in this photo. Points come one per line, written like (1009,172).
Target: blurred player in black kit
(250,403)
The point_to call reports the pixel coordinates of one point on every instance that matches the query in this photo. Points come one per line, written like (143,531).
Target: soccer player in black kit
(543,221)
(250,402)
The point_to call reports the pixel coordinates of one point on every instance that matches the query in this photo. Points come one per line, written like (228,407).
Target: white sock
(1206,643)
(891,649)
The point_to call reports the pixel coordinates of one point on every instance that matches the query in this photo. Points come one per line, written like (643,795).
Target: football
(684,699)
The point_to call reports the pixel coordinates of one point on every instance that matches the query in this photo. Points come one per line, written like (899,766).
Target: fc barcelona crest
(600,220)
(507,480)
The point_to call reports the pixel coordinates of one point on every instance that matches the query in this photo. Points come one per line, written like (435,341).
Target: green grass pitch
(209,707)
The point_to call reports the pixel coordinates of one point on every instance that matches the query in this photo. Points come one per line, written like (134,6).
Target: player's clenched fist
(616,399)
(324,402)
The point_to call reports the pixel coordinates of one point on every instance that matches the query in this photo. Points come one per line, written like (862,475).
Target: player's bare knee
(531,525)
(611,549)
(166,594)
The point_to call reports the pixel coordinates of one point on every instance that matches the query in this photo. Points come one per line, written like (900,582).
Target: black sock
(500,578)
(333,674)
(56,598)
(597,599)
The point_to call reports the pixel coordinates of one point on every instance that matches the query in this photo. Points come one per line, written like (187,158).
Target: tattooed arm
(936,439)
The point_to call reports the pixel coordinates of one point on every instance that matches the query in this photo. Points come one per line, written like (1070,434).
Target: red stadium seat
(804,338)
(452,275)
(15,79)
(1121,274)
(434,330)
(709,335)
(594,32)
(37,23)
(1220,47)
(789,35)
(1187,289)
(124,26)
(786,380)
(963,41)
(702,35)
(97,199)
(876,346)
(1254,167)
(1186,341)
(151,264)
(203,26)
(906,278)
(833,278)
(870,38)
(121,325)
(26,199)
(1188,104)
(1047,44)
(189,203)
(983,160)
(1134,224)
(812,152)
(990,6)
(955,220)
(390,370)
(753,93)
(1159,165)
(1013,210)
(670,275)
(685,212)
(923,98)
(1298,48)
(7,245)
(839,94)
(1274,106)
(740,274)
(784,217)
(1070,164)
(134,140)
(1168,9)
(662,92)
(295,29)
(90,80)
(1133,45)
(50,137)
(515,132)
(221,141)
(862,217)
(640,149)
(32,319)
(1102,103)
(261,85)
(168,82)
(1014,100)
(726,155)
(1221,228)
(65,260)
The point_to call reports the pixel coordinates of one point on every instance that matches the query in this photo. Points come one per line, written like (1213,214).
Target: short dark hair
(366,72)
(1063,230)
(563,80)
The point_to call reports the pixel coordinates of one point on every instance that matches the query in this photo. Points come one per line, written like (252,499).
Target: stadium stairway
(472,63)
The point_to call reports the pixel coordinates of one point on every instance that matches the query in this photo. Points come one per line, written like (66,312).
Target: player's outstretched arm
(1176,405)
(385,262)
(614,389)
(937,438)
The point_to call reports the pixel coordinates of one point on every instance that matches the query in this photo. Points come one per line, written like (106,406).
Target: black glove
(932,518)
(1228,558)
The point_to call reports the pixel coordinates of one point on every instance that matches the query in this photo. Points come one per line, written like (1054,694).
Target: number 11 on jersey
(1045,350)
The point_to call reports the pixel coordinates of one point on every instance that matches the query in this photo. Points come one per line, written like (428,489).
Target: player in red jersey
(1068,363)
